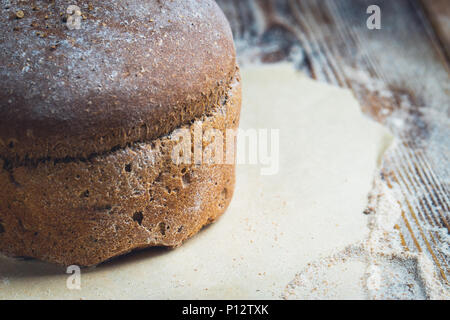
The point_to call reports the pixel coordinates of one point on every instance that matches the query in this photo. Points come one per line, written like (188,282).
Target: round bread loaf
(86,116)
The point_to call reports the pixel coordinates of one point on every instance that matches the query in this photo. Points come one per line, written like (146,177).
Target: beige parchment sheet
(275,224)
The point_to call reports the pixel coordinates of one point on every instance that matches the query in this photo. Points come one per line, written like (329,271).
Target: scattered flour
(391,271)
(4,282)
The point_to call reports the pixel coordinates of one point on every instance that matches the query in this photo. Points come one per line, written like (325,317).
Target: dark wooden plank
(400,75)
(438,12)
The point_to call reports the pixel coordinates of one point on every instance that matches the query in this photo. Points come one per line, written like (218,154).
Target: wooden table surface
(400,75)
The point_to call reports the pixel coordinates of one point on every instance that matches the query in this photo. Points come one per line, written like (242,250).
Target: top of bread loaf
(134,71)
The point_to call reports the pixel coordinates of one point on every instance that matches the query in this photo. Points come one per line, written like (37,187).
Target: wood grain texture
(400,75)
(438,12)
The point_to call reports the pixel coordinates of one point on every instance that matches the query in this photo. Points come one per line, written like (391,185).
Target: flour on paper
(377,268)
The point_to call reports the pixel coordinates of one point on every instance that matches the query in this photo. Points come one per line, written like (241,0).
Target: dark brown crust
(85,212)
(135,71)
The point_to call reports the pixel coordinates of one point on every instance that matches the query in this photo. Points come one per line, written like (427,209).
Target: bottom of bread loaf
(83,212)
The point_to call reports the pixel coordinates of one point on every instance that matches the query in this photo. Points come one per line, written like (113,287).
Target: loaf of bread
(88,105)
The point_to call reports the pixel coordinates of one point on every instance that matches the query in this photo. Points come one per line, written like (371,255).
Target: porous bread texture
(84,212)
